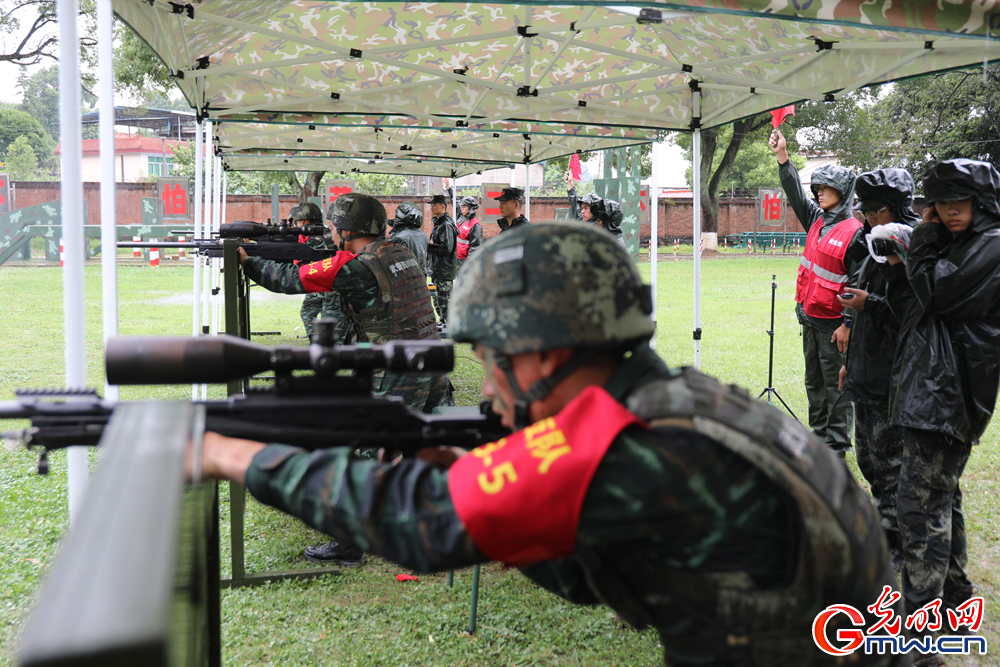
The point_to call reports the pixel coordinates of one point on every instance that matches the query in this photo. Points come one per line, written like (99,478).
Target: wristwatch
(848,323)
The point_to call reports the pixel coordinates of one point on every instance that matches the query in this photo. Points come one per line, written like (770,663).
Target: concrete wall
(735,215)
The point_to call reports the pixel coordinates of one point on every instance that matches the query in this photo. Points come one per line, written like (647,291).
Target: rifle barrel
(184,360)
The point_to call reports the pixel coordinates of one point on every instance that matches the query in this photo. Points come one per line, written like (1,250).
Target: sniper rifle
(281,243)
(324,407)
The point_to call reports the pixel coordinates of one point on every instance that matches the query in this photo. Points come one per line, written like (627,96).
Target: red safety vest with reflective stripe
(464,230)
(822,274)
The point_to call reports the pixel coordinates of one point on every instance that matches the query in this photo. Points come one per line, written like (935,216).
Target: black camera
(883,247)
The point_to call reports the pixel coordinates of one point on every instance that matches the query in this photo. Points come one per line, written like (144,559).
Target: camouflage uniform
(829,416)
(694,525)
(357,289)
(326,306)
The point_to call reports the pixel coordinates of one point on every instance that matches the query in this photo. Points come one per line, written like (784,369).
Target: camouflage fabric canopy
(407,149)
(434,65)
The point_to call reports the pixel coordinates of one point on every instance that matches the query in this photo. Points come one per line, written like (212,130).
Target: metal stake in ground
(769,389)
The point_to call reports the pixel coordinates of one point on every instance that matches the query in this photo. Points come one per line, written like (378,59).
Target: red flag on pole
(778,115)
(574,167)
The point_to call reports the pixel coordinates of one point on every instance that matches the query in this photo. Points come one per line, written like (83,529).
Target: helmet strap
(541,387)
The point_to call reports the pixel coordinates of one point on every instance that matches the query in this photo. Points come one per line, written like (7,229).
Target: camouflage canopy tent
(531,71)
(503,67)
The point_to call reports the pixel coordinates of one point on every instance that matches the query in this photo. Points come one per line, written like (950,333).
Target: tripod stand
(771,392)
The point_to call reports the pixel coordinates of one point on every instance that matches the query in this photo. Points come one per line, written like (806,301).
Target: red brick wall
(735,215)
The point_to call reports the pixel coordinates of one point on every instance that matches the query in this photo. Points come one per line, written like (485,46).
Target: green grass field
(364,616)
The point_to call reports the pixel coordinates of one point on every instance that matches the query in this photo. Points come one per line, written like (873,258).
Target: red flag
(778,115)
(574,167)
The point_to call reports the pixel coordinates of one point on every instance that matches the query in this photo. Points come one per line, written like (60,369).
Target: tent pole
(696,239)
(199,154)
(72,231)
(527,193)
(217,262)
(206,278)
(654,226)
(109,231)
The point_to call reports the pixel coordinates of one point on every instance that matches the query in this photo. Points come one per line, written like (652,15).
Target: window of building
(156,166)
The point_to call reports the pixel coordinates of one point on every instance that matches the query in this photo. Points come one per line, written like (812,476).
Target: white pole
(527,192)
(72,232)
(696,164)
(654,226)
(206,280)
(198,234)
(216,262)
(222,219)
(109,229)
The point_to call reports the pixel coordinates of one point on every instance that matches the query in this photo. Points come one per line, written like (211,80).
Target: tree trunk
(709,143)
(314,181)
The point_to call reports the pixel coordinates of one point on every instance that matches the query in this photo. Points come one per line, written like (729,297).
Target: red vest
(520,497)
(822,274)
(463,237)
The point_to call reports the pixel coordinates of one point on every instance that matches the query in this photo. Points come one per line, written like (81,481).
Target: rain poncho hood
(961,179)
(408,216)
(471,202)
(608,211)
(842,180)
(888,187)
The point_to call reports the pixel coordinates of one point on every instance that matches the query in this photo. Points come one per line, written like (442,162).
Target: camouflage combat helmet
(471,202)
(362,214)
(550,285)
(547,286)
(307,211)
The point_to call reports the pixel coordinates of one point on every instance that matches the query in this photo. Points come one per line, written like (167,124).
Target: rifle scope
(197,360)
(254,230)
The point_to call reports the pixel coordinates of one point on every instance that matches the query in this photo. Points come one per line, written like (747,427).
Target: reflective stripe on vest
(822,274)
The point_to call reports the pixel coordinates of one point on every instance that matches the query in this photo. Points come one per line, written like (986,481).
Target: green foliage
(138,71)
(912,124)
(754,167)
(380,184)
(40,96)
(15,123)
(20,160)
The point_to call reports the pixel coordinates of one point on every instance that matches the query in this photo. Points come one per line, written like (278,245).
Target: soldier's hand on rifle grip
(442,456)
(242,254)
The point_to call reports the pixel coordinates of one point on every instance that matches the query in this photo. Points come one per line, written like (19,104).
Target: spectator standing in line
(946,374)
(442,251)
(407,228)
(510,208)
(830,262)
(596,210)
(470,231)
(886,197)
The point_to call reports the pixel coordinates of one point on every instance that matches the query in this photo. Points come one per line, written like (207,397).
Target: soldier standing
(470,231)
(383,292)
(318,305)
(442,251)
(596,210)
(510,208)
(680,502)
(831,258)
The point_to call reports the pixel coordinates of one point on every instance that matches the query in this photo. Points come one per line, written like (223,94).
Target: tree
(15,123)
(20,160)
(754,166)
(912,124)
(720,150)
(138,71)
(28,31)
(40,96)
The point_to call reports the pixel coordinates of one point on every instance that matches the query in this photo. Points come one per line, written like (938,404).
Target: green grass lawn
(365,616)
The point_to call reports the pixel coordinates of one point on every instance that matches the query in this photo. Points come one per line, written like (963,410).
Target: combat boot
(335,552)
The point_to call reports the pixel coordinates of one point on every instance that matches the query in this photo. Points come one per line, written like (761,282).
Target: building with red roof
(137,158)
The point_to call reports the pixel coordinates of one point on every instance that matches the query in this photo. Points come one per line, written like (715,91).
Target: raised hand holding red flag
(778,115)
(575,170)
